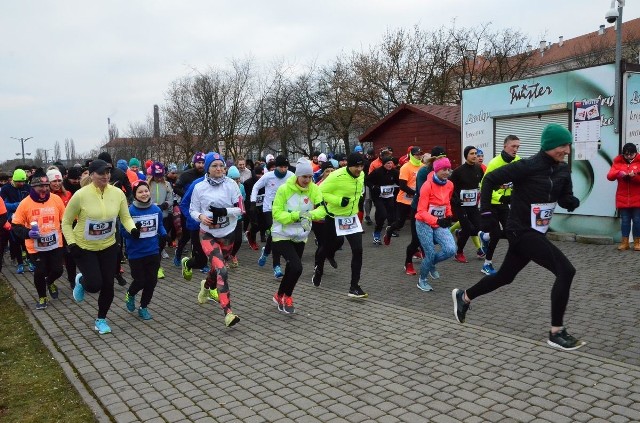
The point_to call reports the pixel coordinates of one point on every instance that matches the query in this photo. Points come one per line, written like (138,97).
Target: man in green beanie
(540,183)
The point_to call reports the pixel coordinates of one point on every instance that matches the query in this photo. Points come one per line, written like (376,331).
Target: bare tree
(57,151)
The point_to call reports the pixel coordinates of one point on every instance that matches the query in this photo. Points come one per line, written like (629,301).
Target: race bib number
(99,229)
(469,197)
(259,200)
(347,225)
(220,222)
(46,242)
(541,215)
(386,191)
(438,211)
(149,225)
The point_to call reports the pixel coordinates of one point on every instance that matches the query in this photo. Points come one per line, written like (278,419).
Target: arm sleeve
(423,206)
(70,213)
(195,206)
(125,216)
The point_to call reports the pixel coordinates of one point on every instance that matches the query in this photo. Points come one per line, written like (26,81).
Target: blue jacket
(143,247)
(192,225)
(13,195)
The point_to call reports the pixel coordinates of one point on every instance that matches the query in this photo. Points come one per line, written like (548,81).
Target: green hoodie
(339,184)
(291,200)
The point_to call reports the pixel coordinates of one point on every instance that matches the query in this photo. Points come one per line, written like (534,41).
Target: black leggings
(500,215)
(98,269)
(385,210)
(414,244)
(332,242)
(469,218)
(268,217)
(292,253)
(144,271)
(237,240)
(48,269)
(403,211)
(525,247)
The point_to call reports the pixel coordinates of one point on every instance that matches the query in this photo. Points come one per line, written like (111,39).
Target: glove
(218,211)
(486,222)
(162,241)
(571,204)
(305,221)
(75,251)
(135,232)
(444,222)
(34,234)
(164,206)
(344,202)
(505,199)
(456,201)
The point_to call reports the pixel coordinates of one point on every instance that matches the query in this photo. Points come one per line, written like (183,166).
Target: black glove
(75,251)
(344,202)
(456,201)
(505,199)
(218,211)
(164,206)
(486,222)
(135,232)
(571,203)
(444,222)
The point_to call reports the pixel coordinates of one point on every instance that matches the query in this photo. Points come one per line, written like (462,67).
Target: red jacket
(628,192)
(434,195)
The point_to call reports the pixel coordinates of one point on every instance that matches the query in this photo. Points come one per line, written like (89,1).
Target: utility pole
(22,141)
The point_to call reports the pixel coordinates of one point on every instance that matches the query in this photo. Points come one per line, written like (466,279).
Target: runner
(382,184)
(539,184)
(297,203)
(180,188)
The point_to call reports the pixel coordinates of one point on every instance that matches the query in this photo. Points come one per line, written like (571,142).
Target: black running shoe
(121,281)
(563,341)
(460,307)
(357,292)
(317,277)
(332,261)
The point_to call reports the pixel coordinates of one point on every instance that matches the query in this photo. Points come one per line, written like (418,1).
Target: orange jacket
(48,215)
(432,196)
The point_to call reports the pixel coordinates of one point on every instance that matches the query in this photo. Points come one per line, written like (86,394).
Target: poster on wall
(586,128)
(631,113)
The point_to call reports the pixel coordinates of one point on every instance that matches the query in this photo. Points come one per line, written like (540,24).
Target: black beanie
(629,148)
(106,157)
(467,149)
(437,151)
(74,173)
(355,159)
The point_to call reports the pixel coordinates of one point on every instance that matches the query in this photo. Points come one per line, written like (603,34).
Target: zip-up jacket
(161,193)
(499,192)
(12,196)
(292,200)
(381,177)
(434,198)
(339,184)
(185,180)
(185,202)
(537,179)
(225,195)
(144,246)
(47,215)
(628,191)
(466,177)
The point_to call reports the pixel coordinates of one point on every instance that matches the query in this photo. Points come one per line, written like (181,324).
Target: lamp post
(22,141)
(615,15)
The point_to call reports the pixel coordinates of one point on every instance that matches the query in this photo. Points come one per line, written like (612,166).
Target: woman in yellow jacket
(92,241)
(37,220)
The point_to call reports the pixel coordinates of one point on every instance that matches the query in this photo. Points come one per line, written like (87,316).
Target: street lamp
(615,15)
(22,141)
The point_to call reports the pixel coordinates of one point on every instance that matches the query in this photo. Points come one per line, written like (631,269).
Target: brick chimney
(156,121)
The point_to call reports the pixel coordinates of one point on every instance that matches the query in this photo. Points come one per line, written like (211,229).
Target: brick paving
(398,356)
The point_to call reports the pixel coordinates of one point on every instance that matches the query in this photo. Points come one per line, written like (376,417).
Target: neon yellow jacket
(291,200)
(91,204)
(494,164)
(340,183)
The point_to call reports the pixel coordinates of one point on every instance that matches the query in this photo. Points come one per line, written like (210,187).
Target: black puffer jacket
(538,179)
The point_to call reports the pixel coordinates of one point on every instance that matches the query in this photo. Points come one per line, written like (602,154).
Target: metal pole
(22,141)
(616,98)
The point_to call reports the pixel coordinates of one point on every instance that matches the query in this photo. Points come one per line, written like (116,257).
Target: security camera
(612,15)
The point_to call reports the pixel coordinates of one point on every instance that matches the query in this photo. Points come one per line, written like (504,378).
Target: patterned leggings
(216,249)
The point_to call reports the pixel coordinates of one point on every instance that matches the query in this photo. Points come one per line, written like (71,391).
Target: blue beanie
(122,165)
(210,158)
(357,149)
(233,172)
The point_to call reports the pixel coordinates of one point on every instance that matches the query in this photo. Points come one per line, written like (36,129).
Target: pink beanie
(441,163)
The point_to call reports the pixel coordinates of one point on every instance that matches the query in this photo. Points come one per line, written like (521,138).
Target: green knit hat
(553,136)
(134,162)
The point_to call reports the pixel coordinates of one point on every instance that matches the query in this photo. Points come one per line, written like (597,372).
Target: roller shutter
(528,129)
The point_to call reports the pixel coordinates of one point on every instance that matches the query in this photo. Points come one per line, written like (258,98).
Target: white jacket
(270,182)
(226,195)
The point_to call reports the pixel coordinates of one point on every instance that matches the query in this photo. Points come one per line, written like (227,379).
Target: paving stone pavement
(398,356)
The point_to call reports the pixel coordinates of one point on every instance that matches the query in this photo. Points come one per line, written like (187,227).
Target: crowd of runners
(89,220)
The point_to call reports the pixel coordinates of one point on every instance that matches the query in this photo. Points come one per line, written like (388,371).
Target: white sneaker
(165,255)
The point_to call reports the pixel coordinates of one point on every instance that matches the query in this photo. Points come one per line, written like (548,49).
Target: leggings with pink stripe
(216,249)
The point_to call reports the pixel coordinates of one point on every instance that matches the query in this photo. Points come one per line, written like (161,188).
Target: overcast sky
(67,66)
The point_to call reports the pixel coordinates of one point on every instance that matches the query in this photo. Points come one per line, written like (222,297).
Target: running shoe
(484,245)
(78,290)
(368,220)
(233,261)
(277,272)
(460,258)
(433,272)
(53,291)
(480,254)
(423,284)
(144,314)
(102,327)
(409,270)
(165,255)
(213,295)
(204,292)
(418,255)
(160,273)
(357,292)
(176,260)
(460,307)
(488,269)
(20,270)
(130,302)
(32,267)
(263,258)
(563,341)
(42,303)
(332,262)
(231,319)
(376,238)
(277,299)
(316,279)
(286,305)
(187,273)
(205,269)
(387,236)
